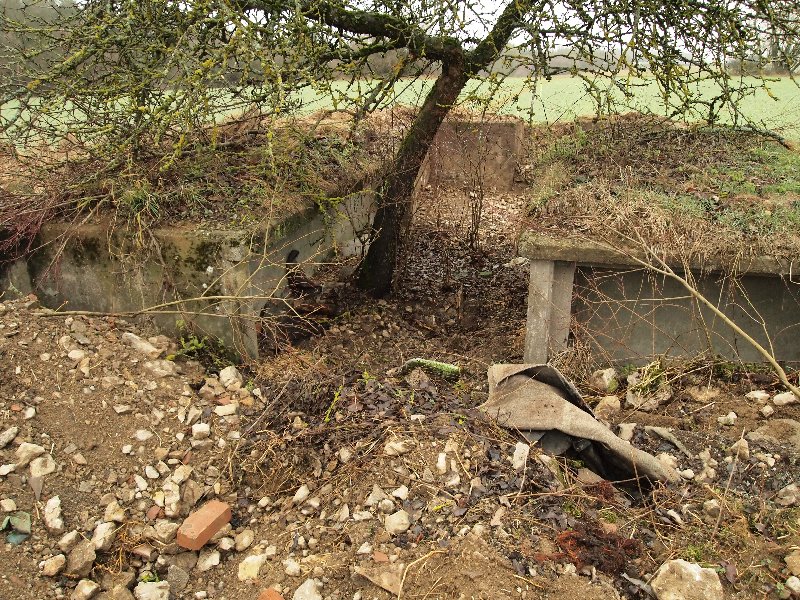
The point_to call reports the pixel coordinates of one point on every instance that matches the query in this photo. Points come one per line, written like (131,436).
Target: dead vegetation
(693,191)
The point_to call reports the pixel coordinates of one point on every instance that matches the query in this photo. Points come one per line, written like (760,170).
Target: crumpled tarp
(546,408)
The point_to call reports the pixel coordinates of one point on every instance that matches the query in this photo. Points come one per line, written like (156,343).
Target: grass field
(775,107)
(564,98)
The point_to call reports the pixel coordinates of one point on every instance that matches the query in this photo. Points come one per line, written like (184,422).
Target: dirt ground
(315,446)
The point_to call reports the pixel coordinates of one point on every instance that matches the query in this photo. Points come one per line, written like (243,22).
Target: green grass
(563,98)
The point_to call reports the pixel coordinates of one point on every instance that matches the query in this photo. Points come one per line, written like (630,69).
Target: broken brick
(270,594)
(201,525)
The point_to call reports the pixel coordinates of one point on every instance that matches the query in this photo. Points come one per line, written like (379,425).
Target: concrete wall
(630,316)
(104,272)
(467,152)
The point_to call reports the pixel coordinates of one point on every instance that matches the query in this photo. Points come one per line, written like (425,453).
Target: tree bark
(394,195)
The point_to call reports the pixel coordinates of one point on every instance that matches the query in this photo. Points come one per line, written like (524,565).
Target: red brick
(201,525)
(270,594)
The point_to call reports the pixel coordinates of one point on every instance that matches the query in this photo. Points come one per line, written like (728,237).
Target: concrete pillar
(563,278)
(549,308)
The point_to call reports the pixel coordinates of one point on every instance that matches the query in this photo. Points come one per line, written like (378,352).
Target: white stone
(309,590)
(757,395)
(172,498)
(226,410)
(604,380)
(767,411)
(201,431)
(8,505)
(52,516)
(291,567)
(53,566)
(230,376)
(727,420)
(682,580)
(27,452)
(244,540)
(250,567)
(398,522)
(104,535)
(161,368)
(208,559)
(740,449)
(68,541)
(182,473)
(6,469)
(152,590)
(85,589)
(789,495)
(784,399)
(114,513)
(8,435)
(151,472)
(607,407)
(43,465)
(793,585)
(301,495)
(142,435)
(401,493)
(398,447)
(76,355)
(626,431)
(140,345)
(520,458)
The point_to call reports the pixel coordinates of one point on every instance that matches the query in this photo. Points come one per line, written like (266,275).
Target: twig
(411,564)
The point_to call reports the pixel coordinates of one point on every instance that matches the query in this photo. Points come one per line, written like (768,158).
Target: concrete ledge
(585,252)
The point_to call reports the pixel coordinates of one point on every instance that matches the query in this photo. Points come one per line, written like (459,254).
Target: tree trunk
(394,194)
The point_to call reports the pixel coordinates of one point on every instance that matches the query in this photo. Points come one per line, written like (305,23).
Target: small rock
(104,535)
(291,567)
(398,522)
(85,589)
(178,578)
(727,420)
(250,567)
(398,447)
(230,376)
(757,395)
(151,472)
(114,513)
(140,345)
(152,590)
(712,508)
(8,435)
(120,592)
(161,368)
(608,407)
(682,580)
(520,458)
(788,496)
(208,559)
(68,541)
(793,562)
(81,559)
(52,516)
(309,590)
(8,505)
(142,435)
(301,495)
(625,431)
(27,452)
(76,355)
(244,540)
(201,431)
(604,381)
(767,411)
(53,566)
(793,585)
(740,449)
(785,399)
(401,493)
